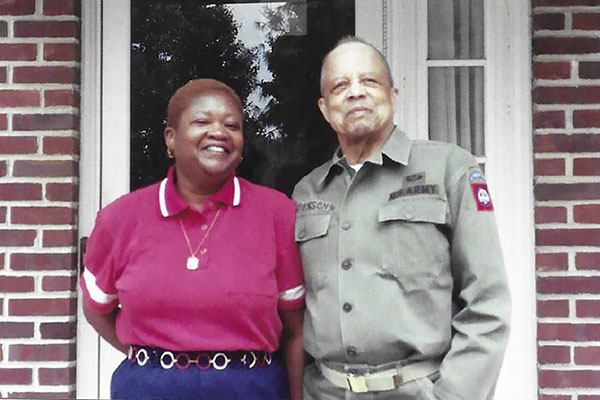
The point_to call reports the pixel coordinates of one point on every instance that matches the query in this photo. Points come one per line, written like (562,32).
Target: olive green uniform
(403,263)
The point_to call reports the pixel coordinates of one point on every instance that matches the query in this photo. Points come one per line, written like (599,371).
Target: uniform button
(204,227)
(347,307)
(301,234)
(346,225)
(203,250)
(351,351)
(346,264)
(409,216)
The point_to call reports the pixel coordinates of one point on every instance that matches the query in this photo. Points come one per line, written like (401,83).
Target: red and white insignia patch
(482,197)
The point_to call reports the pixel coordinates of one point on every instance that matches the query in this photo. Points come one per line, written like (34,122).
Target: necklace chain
(187,239)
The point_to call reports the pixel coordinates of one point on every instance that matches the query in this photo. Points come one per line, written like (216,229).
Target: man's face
(357,95)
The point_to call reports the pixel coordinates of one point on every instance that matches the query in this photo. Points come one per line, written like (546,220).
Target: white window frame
(397,28)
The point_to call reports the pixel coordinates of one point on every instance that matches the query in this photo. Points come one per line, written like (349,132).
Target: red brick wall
(566,55)
(39,144)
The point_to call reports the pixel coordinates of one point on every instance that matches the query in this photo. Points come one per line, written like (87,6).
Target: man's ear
(169,135)
(395,93)
(323,108)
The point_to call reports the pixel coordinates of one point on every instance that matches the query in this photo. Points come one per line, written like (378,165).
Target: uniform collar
(396,148)
(171,202)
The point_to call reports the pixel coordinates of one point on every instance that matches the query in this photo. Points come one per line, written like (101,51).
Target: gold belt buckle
(357,384)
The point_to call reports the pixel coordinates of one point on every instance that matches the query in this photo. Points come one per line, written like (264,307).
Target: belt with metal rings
(203,360)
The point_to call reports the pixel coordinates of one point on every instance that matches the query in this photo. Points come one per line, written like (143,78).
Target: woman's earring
(170,153)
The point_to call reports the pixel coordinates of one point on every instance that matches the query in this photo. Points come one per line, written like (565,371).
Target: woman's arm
(104,324)
(291,344)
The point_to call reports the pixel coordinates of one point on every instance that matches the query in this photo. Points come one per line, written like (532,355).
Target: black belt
(219,360)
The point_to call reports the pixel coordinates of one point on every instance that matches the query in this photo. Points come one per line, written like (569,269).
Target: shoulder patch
(475,175)
(482,196)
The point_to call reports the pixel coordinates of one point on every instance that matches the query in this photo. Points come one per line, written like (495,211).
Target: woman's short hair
(187,93)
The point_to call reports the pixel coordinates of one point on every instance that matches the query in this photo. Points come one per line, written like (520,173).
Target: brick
(42,395)
(13,330)
(549,119)
(18,51)
(552,308)
(17,284)
(42,307)
(45,122)
(14,237)
(59,283)
(58,330)
(61,98)
(2,215)
(2,168)
(17,7)
(567,237)
(61,7)
(587,261)
(19,98)
(43,215)
(577,143)
(61,52)
(57,376)
(20,191)
(549,166)
(3,29)
(62,191)
(566,94)
(587,308)
(59,238)
(41,352)
(3,122)
(568,284)
(554,354)
(43,261)
(586,21)
(568,332)
(45,168)
(546,215)
(567,191)
(566,45)
(552,262)
(586,118)
(551,70)
(590,397)
(53,74)
(64,29)
(15,376)
(587,213)
(569,379)
(60,145)
(552,21)
(589,70)
(18,144)
(586,166)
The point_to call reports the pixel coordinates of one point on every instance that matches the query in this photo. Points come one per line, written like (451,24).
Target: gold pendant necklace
(192,260)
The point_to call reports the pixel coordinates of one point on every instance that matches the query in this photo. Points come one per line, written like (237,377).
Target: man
(406,291)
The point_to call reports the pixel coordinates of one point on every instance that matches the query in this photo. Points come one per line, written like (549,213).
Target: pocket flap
(311,226)
(415,209)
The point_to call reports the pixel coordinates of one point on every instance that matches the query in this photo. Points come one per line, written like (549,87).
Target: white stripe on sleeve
(293,293)
(95,292)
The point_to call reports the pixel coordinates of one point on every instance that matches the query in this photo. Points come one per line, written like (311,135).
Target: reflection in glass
(269,52)
(455,29)
(456,107)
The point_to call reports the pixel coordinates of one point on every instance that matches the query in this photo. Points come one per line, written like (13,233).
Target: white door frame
(395,27)
(104,162)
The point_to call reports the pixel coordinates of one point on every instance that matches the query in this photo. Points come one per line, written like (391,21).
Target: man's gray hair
(356,39)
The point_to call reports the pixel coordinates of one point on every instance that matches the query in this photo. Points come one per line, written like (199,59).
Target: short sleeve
(290,277)
(97,278)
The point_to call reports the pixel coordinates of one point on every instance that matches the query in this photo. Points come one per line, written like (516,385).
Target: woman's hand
(104,324)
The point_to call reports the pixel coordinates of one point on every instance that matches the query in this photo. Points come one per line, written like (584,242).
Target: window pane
(456,107)
(455,29)
(269,52)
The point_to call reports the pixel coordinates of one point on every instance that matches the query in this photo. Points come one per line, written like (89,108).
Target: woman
(198,278)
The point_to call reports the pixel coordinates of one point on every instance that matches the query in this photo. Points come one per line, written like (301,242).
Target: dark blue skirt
(131,381)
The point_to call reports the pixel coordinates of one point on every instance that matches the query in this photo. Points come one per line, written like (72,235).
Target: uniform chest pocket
(414,249)
(311,226)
